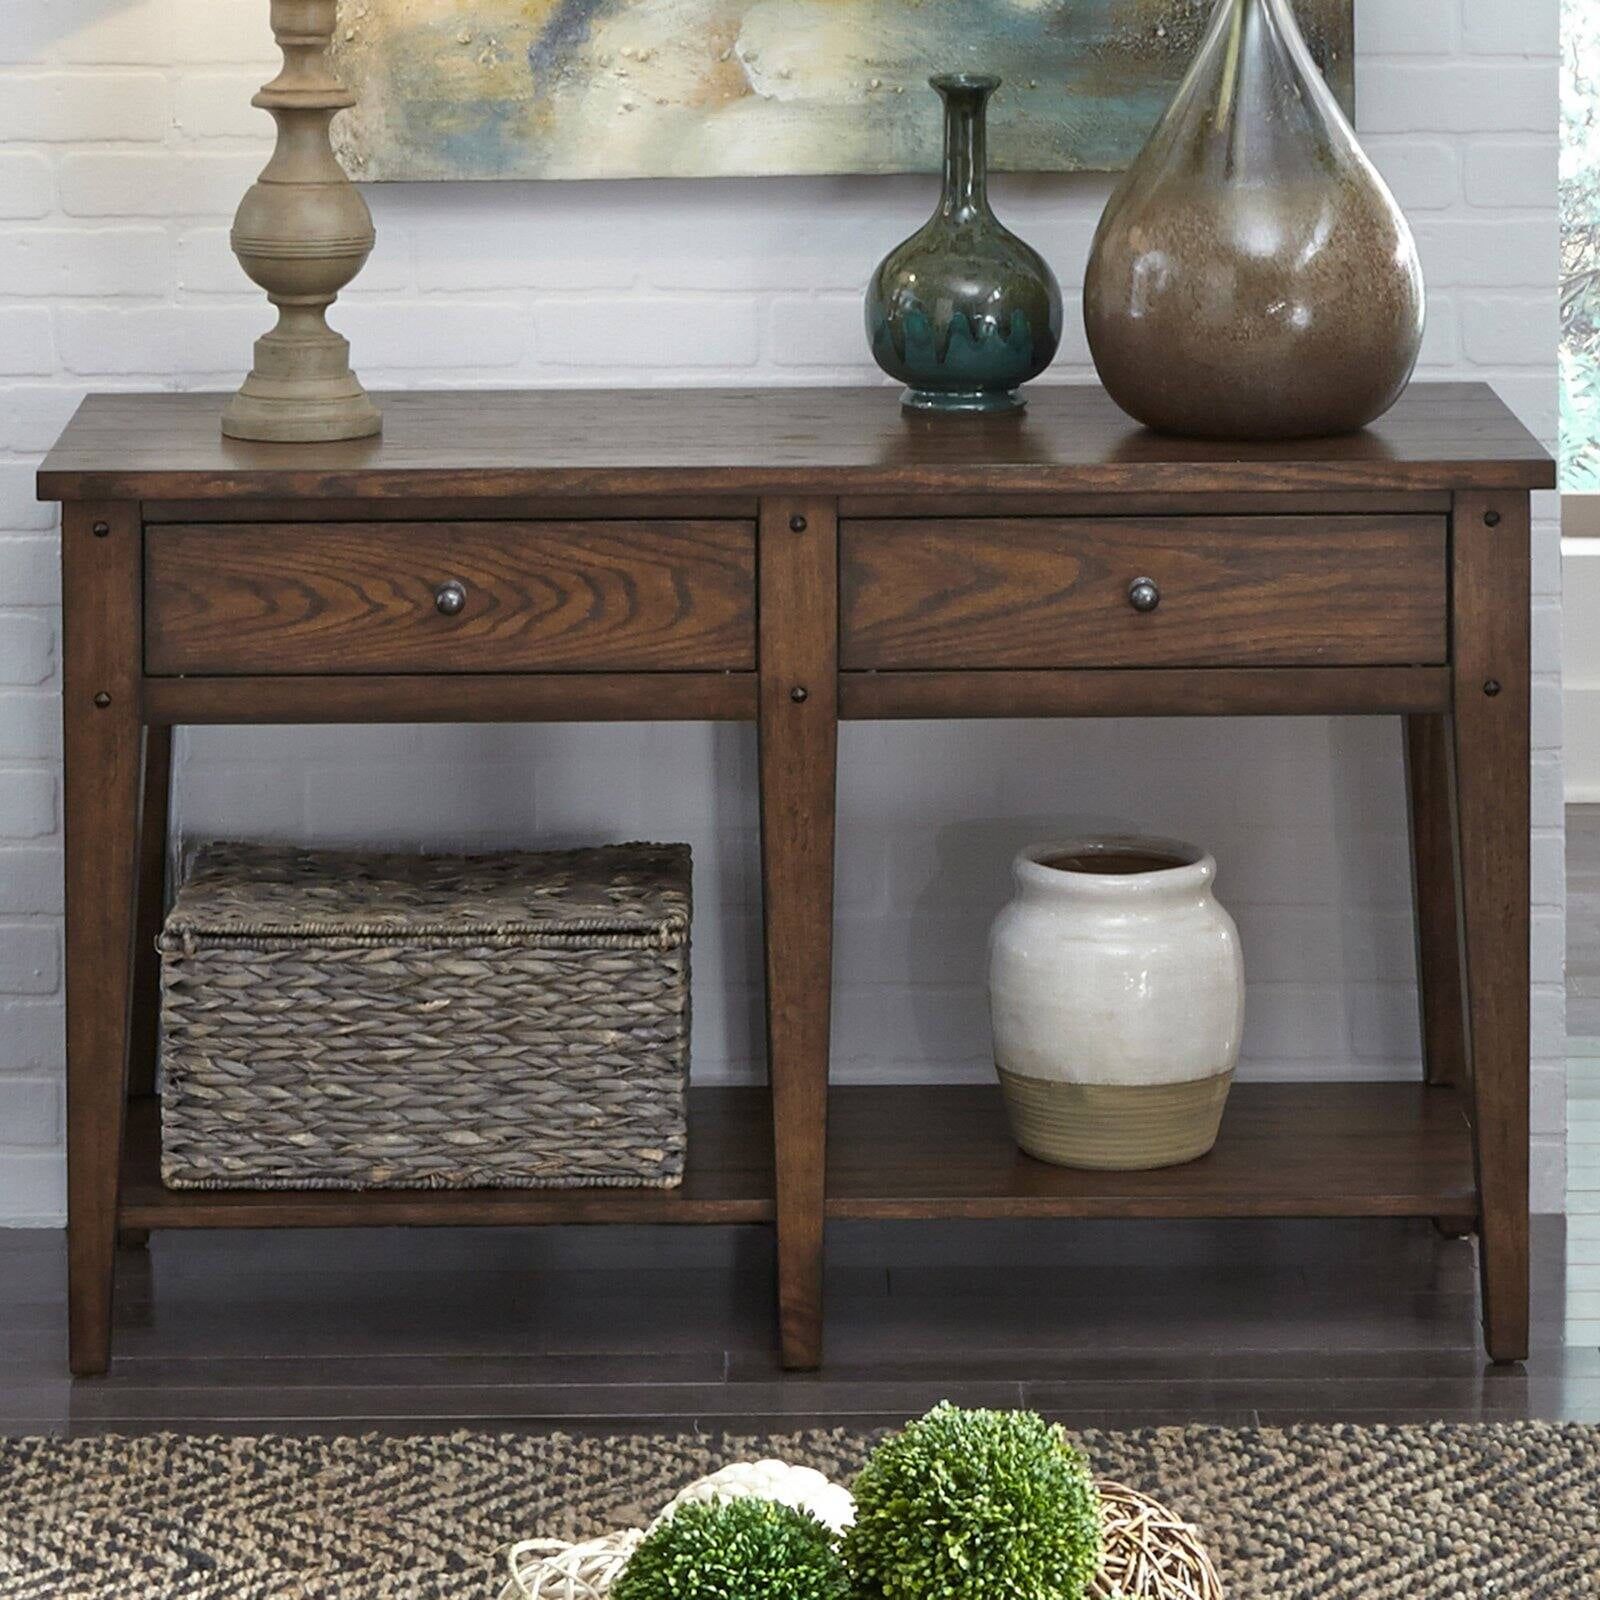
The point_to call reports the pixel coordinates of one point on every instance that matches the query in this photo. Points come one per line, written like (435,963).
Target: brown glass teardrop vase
(1253,277)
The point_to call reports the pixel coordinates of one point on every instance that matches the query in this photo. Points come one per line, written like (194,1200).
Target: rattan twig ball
(552,1569)
(1151,1553)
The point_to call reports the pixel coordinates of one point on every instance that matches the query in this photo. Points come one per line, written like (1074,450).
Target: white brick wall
(125,141)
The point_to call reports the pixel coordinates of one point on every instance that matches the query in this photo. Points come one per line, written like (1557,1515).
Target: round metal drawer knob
(450,599)
(1143,595)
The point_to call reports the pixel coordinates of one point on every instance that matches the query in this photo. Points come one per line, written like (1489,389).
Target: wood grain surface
(1436,903)
(1142,692)
(151,909)
(728,1179)
(930,1150)
(1054,592)
(1285,1150)
(102,780)
(799,752)
(361,597)
(805,440)
(1123,1325)
(609,551)
(1491,581)
(456,697)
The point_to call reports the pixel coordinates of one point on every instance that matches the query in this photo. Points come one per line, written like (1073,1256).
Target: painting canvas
(689,88)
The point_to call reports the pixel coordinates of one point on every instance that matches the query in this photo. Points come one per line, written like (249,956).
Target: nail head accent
(797,524)
(1492,688)
(1491,519)
(102,699)
(798,694)
(101,529)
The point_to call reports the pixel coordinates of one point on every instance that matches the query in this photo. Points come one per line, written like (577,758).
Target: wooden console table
(790,558)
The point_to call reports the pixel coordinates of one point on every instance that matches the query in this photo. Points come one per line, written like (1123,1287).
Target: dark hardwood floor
(1100,1324)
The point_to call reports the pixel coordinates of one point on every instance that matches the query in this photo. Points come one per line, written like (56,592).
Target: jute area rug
(1380,1513)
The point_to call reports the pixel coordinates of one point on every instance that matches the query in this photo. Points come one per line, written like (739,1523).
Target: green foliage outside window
(1580,247)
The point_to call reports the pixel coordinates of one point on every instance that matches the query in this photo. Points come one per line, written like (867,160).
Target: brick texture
(126,138)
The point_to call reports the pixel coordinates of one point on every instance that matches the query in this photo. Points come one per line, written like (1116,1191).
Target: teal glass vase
(963,312)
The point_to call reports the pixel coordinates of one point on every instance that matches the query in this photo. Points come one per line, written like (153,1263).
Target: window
(1580,247)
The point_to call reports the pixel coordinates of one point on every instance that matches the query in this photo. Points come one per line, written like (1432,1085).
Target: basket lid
(252,891)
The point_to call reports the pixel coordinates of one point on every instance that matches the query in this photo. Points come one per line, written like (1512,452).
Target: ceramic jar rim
(1191,867)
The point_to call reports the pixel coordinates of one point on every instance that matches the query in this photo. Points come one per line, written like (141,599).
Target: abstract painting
(690,88)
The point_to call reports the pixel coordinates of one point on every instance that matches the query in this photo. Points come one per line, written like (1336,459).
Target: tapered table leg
(799,760)
(1431,789)
(152,905)
(1430,783)
(1490,585)
(145,1025)
(101,756)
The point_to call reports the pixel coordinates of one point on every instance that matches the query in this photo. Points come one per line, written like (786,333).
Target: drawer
(449,597)
(1037,592)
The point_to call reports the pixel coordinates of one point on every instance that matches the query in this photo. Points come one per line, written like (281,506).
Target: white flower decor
(800,1488)
(552,1569)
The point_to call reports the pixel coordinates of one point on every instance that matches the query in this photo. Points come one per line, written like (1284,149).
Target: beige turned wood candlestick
(302,233)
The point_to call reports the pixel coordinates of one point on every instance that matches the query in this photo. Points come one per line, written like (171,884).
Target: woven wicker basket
(353,1021)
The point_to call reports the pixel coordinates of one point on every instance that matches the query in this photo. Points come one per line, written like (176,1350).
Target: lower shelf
(729,1179)
(1286,1150)
(917,1151)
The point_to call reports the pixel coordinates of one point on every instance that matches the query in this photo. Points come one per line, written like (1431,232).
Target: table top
(486,442)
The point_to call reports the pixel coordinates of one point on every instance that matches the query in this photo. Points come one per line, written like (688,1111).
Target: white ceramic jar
(1116,990)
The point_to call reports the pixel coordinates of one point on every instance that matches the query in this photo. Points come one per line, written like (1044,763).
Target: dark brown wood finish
(732,696)
(463,697)
(155,806)
(922,1151)
(607,540)
(1435,874)
(1014,592)
(1491,583)
(1147,692)
(1286,1150)
(1131,503)
(729,1179)
(629,1331)
(799,558)
(101,783)
(367,597)
(1071,439)
(703,507)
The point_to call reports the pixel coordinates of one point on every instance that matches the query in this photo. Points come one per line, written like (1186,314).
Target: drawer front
(449,597)
(1036,592)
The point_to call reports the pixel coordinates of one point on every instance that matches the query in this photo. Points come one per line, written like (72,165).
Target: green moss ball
(975,1505)
(745,1549)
